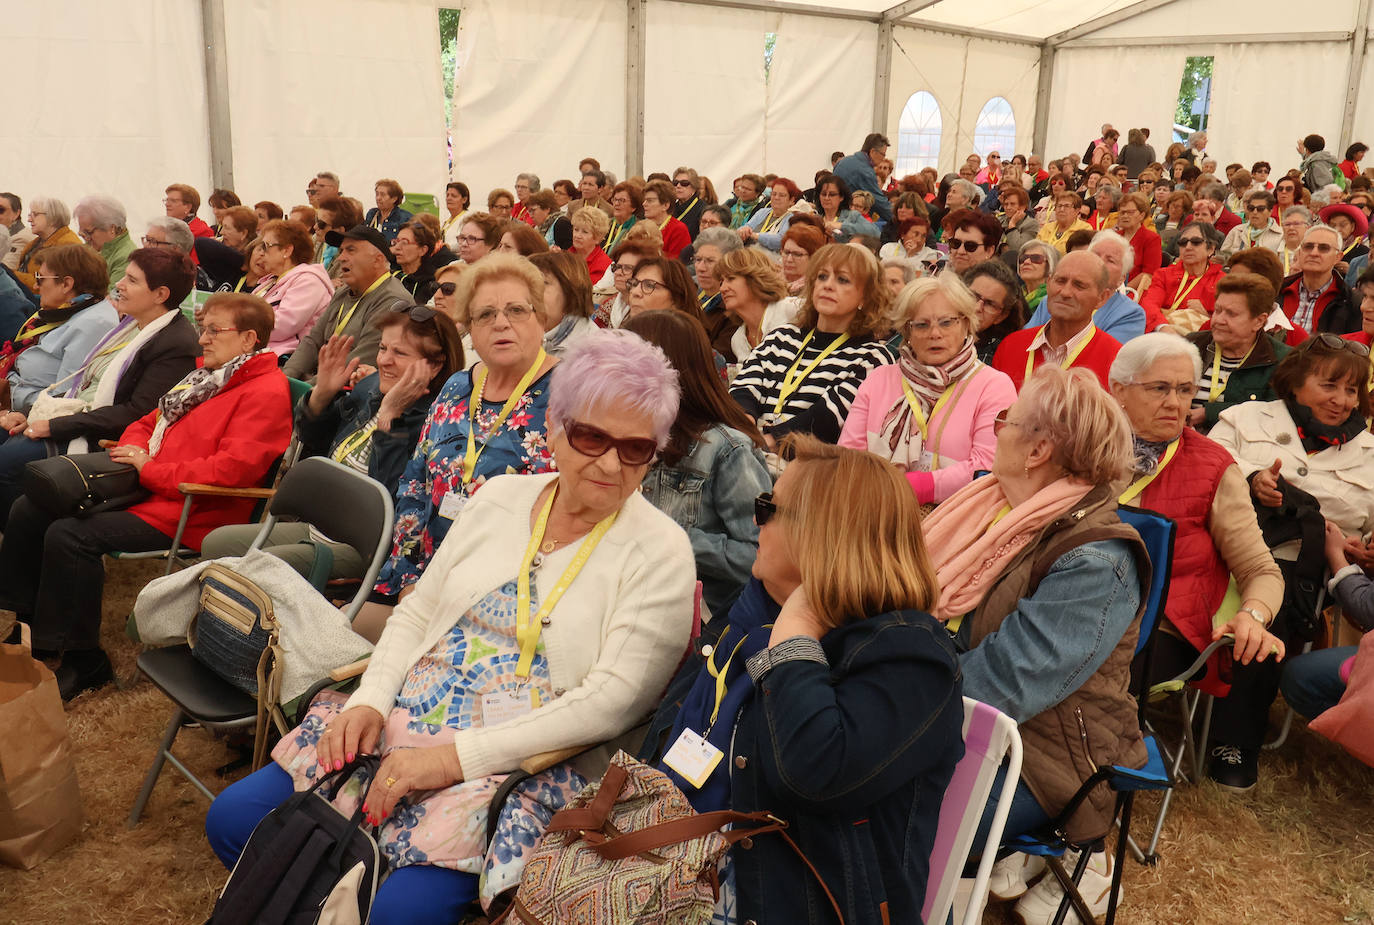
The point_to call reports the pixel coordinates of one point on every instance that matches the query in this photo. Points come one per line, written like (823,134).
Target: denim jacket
(347,413)
(710,493)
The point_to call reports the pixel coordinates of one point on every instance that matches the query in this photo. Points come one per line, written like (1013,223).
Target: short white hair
(178,232)
(103,211)
(1322,226)
(1138,354)
(56,210)
(1127,252)
(969,189)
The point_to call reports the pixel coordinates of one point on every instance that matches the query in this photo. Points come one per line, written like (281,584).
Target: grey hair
(610,178)
(1215,192)
(1261,194)
(1195,136)
(1127,252)
(1138,354)
(970,189)
(1322,226)
(897,263)
(949,285)
(103,211)
(727,239)
(1322,197)
(329,175)
(55,209)
(178,232)
(1113,193)
(1298,210)
(608,368)
(531,179)
(1049,250)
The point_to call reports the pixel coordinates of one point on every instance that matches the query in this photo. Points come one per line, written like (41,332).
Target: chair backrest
(1157,533)
(990,736)
(344,505)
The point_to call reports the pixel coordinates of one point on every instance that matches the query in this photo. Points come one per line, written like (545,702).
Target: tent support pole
(882,79)
(217,93)
(1358,41)
(1043,87)
(635,35)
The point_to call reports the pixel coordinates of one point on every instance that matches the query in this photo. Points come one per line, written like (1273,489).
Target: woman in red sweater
(224,424)
(658,200)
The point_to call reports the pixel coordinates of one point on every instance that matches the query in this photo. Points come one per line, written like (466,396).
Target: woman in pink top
(298,290)
(931,413)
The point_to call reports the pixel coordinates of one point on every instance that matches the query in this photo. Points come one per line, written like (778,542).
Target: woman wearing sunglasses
(1313,439)
(1043,588)
(1183,293)
(794,693)
(550,619)
(1035,263)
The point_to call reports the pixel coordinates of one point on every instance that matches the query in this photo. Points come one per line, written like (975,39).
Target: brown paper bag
(40,806)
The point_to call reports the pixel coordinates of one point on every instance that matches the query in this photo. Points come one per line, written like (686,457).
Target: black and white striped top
(821,402)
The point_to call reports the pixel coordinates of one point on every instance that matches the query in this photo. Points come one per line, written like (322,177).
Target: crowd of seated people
(887,409)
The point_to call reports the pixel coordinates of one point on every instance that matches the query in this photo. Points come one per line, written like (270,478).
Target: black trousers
(52,574)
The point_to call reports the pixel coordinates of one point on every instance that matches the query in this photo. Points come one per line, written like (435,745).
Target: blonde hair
(1089,431)
(490,269)
(647,232)
(915,293)
(852,524)
(758,271)
(868,275)
(592,219)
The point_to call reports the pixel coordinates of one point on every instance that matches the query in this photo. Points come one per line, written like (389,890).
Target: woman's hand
(1335,547)
(413,383)
(747,234)
(1197,306)
(1197,417)
(1265,485)
(351,733)
(335,368)
(1358,553)
(38,430)
(361,373)
(1253,641)
(13,422)
(797,618)
(406,770)
(135,456)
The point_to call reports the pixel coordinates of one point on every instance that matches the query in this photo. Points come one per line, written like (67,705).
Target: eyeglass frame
(515,313)
(619,444)
(764,508)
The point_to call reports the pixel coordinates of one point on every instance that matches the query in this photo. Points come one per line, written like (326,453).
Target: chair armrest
(545,760)
(220,491)
(351,670)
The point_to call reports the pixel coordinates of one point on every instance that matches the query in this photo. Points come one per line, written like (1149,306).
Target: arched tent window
(918,134)
(995,129)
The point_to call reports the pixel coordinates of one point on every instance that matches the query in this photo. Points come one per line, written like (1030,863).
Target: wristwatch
(1256,614)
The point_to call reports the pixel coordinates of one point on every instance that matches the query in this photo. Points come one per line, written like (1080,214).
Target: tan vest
(1057,758)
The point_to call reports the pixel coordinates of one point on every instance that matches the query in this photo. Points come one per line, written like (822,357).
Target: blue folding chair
(1157,533)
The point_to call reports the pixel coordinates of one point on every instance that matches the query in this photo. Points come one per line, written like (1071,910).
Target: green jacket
(1250,381)
(116,254)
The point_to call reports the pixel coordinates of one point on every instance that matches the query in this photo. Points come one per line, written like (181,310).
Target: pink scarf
(970,552)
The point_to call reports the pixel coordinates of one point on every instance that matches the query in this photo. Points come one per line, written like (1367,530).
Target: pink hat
(1357,217)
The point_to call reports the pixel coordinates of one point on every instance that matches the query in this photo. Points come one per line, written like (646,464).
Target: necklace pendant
(548,546)
(537,561)
(546,621)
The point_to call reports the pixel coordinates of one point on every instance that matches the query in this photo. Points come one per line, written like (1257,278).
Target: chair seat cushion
(1153,776)
(204,695)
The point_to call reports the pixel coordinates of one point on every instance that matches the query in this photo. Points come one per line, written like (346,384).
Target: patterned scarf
(928,383)
(1315,435)
(1147,454)
(42,321)
(199,386)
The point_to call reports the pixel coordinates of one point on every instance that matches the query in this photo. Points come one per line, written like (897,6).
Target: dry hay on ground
(1299,850)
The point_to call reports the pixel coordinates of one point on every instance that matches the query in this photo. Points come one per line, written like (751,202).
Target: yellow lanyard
(687,208)
(354,440)
(720,676)
(1287,258)
(39,331)
(770,221)
(1143,482)
(347,316)
(613,236)
(1068,360)
(238,287)
(472,454)
(922,423)
(1184,290)
(791,382)
(443,230)
(527,630)
(1353,244)
(1215,389)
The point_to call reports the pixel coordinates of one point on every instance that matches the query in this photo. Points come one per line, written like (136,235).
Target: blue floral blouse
(436,468)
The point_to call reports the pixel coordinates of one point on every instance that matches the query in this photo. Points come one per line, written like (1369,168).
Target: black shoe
(83,671)
(1234,769)
(15,638)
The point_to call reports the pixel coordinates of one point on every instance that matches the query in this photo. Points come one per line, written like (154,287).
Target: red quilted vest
(1184,492)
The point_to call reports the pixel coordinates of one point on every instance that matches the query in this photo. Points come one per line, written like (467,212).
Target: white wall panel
(1130,88)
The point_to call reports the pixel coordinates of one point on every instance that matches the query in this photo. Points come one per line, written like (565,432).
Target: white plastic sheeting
(1127,87)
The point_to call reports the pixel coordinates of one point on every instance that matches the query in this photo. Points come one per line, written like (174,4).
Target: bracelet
(1256,614)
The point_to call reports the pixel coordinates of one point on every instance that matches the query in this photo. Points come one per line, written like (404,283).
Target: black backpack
(299,854)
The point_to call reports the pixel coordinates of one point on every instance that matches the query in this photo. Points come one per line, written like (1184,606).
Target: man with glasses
(364,266)
(182,203)
(12,218)
(973,238)
(1080,285)
(1260,228)
(1316,298)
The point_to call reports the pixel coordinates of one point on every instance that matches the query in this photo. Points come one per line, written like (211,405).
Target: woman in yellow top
(1066,221)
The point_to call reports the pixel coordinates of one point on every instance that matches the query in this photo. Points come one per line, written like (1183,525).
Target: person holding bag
(151,348)
(791,706)
(224,424)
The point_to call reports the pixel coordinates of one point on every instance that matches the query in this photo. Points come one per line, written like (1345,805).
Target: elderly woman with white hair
(1294,224)
(931,413)
(102,223)
(552,617)
(48,219)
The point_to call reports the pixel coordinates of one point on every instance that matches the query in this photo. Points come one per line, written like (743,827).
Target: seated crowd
(900,411)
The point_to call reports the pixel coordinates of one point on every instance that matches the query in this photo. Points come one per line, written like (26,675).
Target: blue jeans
(1026,815)
(416,895)
(16,452)
(1312,683)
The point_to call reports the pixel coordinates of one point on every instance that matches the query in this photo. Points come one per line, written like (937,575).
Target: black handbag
(82,484)
(306,859)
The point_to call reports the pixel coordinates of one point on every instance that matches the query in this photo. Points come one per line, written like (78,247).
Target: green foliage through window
(1195,93)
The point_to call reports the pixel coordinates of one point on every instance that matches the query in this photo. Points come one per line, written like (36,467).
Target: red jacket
(675,238)
(1147,247)
(199,228)
(1097,355)
(597,264)
(231,440)
(1164,291)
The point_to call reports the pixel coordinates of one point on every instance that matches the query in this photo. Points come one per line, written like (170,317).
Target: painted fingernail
(364,807)
(338,765)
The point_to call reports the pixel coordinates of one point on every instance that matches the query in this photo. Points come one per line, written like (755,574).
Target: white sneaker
(1013,875)
(1041,902)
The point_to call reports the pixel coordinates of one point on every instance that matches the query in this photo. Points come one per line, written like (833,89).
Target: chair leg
(1283,731)
(1070,886)
(1151,856)
(1200,769)
(150,781)
(1127,802)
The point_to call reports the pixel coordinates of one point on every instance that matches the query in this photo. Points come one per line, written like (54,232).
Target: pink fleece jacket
(964,427)
(297,299)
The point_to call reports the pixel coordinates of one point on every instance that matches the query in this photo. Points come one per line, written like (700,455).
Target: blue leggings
(417,895)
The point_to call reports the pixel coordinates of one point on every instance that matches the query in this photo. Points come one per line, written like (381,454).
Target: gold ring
(390,782)
(1274,650)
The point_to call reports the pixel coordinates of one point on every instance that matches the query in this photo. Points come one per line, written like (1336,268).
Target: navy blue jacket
(347,413)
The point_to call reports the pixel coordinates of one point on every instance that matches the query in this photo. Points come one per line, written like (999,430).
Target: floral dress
(442,694)
(436,469)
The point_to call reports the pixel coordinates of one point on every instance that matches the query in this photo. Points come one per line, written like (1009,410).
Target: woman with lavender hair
(487,663)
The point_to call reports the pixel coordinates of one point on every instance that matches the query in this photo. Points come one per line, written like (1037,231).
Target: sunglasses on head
(595,442)
(764,508)
(965,243)
(1335,344)
(417,312)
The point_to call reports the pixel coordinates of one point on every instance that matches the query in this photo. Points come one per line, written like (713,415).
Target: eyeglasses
(418,312)
(796,254)
(1159,391)
(650,286)
(515,313)
(1335,344)
(1033,258)
(321,226)
(470,239)
(943,324)
(448,288)
(966,244)
(1003,420)
(1193,242)
(595,442)
(39,278)
(764,508)
(169,201)
(682,182)
(273,245)
(1259,207)
(1313,247)
(212,331)
(149,242)
(624,267)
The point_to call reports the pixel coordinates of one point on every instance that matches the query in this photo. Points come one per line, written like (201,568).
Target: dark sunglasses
(448,288)
(592,441)
(417,312)
(1184,242)
(1336,344)
(967,245)
(682,182)
(764,508)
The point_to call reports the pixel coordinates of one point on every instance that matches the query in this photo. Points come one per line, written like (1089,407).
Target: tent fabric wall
(963,74)
(107,98)
(541,85)
(1127,89)
(351,86)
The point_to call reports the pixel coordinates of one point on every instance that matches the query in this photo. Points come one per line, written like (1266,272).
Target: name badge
(503,706)
(928,462)
(693,758)
(452,505)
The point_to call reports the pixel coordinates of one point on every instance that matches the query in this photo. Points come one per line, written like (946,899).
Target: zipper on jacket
(1083,736)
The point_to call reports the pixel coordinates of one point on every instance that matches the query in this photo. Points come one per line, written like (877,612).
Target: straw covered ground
(1300,849)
